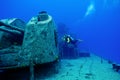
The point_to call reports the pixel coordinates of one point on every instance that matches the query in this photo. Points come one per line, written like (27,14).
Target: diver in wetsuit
(69,40)
(69,48)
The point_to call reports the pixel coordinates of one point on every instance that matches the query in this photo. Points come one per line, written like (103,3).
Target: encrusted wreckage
(36,44)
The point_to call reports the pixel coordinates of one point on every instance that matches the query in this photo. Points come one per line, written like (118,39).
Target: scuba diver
(69,40)
(69,47)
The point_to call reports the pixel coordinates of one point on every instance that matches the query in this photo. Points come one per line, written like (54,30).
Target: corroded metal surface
(39,44)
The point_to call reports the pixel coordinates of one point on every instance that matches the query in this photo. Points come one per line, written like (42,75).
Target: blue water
(96,22)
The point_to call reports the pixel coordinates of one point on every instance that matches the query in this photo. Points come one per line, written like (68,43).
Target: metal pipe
(12,27)
(10,31)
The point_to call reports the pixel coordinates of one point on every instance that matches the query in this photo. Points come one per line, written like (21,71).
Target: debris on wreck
(22,44)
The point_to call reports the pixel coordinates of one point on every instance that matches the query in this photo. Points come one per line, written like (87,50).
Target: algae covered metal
(38,44)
